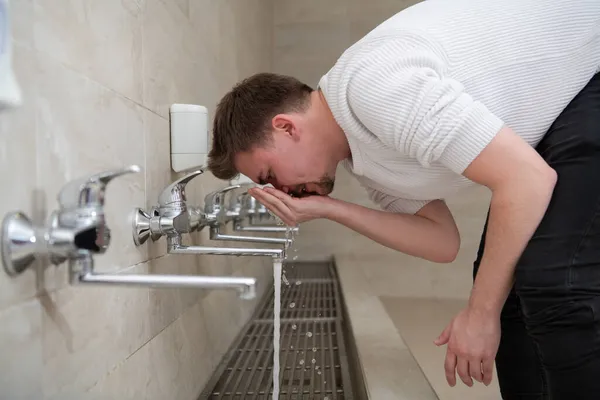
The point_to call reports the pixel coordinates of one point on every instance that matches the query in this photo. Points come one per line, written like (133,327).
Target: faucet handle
(90,190)
(215,199)
(175,192)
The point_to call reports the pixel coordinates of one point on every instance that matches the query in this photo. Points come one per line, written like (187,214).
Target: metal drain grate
(313,355)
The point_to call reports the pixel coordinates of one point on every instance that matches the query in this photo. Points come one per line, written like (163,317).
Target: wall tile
(222,315)
(157,141)
(174,365)
(228,57)
(101,39)
(307,51)
(308,11)
(88,331)
(21,350)
(254,39)
(175,68)
(21,14)
(205,22)
(325,39)
(364,15)
(376,10)
(83,129)
(205,16)
(166,305)
(17,155)
(308,69)
(183,5)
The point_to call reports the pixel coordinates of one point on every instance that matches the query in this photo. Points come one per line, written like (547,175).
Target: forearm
(410,234)
(515,213)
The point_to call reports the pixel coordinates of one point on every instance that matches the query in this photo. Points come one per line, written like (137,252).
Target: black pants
(550,343)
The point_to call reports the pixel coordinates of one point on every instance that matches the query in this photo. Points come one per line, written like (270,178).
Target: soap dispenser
(189,136)
(10,93)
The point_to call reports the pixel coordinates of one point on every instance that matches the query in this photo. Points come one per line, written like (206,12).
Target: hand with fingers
(293,210)
(473,338)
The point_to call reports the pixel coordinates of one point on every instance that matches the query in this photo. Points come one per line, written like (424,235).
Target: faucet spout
(82,272)
(215,234)
(245,286)
(240,227)
(174,246)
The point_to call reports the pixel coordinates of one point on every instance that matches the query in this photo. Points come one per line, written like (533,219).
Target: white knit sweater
(422,95)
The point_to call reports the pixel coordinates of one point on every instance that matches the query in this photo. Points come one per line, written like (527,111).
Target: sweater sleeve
(408,101)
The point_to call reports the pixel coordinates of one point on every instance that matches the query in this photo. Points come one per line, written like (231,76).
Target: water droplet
(292,347)
(314,349)
(313,361)
(309,334)
(292,304)
(295,258)
(298,283)
(325,398)
(319,372)
(294,327)
(285,280)
(301,362)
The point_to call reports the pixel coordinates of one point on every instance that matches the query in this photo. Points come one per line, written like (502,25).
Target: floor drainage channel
(314,356)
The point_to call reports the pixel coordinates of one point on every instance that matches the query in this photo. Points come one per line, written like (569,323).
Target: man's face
(297,165)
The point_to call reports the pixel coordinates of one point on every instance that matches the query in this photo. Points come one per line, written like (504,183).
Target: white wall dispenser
(189,136)
(10,92)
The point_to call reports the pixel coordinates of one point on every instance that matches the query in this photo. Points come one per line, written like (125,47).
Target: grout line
(124,360)
(98,83)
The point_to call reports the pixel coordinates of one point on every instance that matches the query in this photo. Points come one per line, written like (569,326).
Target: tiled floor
(419,322)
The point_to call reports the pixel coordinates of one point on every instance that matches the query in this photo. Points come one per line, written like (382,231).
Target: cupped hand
(293,210)
(473,338)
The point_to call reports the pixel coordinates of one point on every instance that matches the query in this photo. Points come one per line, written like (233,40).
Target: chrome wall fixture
(245,207)
(173,217)
(77,231)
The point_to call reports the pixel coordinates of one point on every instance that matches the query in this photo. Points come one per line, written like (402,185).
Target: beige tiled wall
(309,37)
(98,78)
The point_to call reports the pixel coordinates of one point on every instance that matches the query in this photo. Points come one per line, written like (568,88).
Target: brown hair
(243,117)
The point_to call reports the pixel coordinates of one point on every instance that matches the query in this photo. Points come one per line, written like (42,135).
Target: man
(442,95)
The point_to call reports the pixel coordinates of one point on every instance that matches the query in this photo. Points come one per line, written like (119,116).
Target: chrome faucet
(77,231)
(218,215)
(244,206)
(173,218)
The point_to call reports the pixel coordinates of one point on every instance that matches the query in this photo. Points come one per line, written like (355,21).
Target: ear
(285,124)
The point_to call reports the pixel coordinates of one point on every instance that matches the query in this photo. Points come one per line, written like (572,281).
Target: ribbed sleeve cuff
(473,133)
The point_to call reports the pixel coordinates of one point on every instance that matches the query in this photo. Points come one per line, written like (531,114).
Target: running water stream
(277,279)
(277,268)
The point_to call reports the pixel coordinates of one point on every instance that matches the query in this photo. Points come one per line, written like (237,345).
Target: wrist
(484,306)
(332,208)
